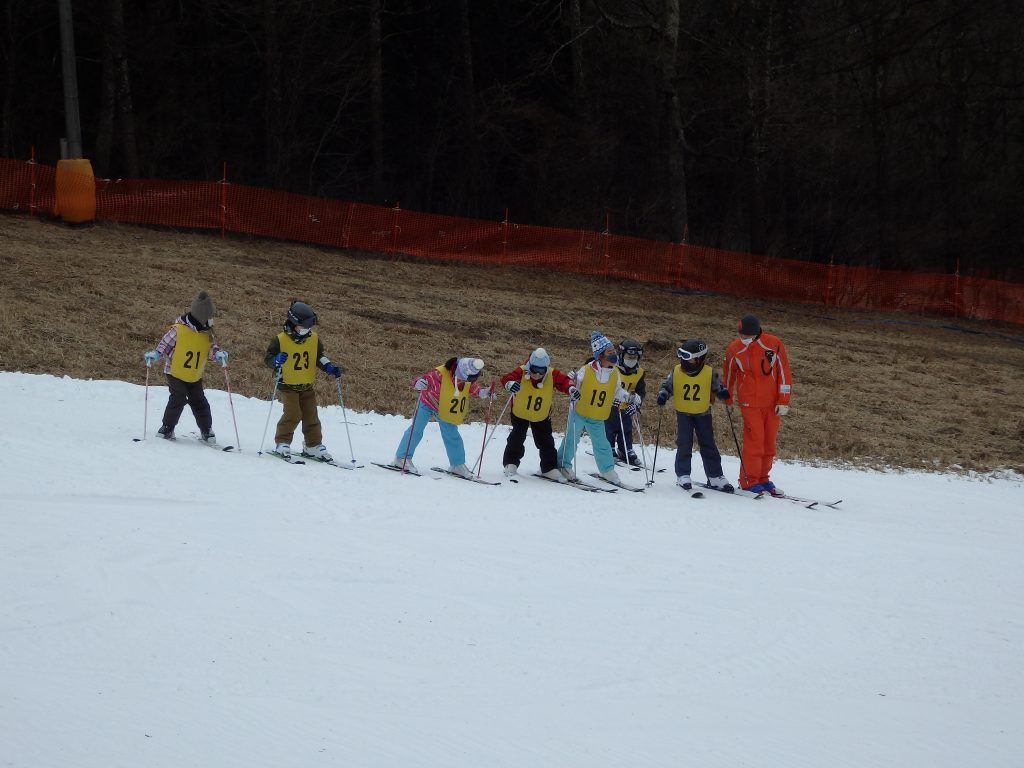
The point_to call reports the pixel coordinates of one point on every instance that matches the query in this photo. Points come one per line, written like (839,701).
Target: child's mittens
(662,396)
(222,357)
(151,357)
(781,410)
(420,385)
(280,359)
(485,392)
(332,370)
(574,394)
(634,405)
(513,386)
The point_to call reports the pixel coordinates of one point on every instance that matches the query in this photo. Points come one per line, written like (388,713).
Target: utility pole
(71,146)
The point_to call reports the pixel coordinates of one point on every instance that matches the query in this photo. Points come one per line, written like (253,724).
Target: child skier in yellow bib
(295,354)
(595,386)
(693,386)
(444,392)
(533,385)
(186,347)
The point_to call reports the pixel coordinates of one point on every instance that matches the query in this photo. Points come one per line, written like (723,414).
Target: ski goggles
(687,355)
(538,371)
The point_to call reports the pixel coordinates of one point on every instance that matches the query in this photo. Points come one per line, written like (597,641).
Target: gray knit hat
(202,308)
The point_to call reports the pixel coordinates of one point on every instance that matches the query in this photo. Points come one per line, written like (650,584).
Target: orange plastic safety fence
(29,187)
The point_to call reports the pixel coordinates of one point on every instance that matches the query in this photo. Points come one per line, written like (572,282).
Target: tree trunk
(108,109)
(274,100)
(122,79)
(468,193)
(673,123)
(376,101)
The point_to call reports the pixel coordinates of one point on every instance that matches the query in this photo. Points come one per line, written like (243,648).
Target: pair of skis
(192,436)
(800,500)
(303,457)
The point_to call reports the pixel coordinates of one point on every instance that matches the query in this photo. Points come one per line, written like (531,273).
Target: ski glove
(151,357)
(222,357)
(723,394)
(420,385)
(513,386)
(634,405)
(332,370)
(280,359)
(662,397)
(781,410)
(574,394)
(485,392)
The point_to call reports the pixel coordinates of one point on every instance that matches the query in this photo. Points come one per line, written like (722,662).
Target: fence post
(679,263)
(957,297)
(348,225)
(828,279)
(607,258)
(395,229)
(223,198)
(504,239)
(32,186)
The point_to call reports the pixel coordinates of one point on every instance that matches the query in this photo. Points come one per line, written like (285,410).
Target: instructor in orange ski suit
(756,374)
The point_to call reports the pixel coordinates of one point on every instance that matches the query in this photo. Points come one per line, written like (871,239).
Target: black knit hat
(750,326)
(202,308)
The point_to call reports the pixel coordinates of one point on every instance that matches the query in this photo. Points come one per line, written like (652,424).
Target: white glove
(222,357)
(421,384)
(574,394)
(513,386)
(781,410)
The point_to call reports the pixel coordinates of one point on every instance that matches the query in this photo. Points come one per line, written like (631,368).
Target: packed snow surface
(166,605)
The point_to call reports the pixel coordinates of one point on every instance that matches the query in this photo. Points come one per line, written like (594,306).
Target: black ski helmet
(630,347)
(300,314)
(691,354)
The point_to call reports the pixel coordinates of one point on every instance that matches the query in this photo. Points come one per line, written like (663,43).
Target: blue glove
(280,359)
(722,394)
(662,397)
(332,370)
(513,386)
(151,357)
(485,392)
(574,394)
(222,357)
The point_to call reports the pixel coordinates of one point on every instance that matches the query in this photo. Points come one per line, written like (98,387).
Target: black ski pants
(686,425)
(617,429)
(542,438)
(183,392)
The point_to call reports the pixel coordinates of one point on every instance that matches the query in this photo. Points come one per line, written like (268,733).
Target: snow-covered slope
(168,605)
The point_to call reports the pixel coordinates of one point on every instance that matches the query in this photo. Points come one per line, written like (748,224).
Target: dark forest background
(879,132)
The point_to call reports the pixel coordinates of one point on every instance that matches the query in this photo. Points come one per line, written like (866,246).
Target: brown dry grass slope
(870,389)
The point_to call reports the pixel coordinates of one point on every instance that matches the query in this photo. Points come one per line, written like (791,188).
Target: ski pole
(643,449)
(145,413)
(479,464)
(622,436)
(227,382)
(412,428)
(657,442)
(273,395)
(344,415)
(736,442)
(495,429)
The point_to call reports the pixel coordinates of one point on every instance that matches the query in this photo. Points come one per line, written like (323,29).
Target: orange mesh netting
(29,187)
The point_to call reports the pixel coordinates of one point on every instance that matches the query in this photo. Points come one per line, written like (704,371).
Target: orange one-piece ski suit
(758,379)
